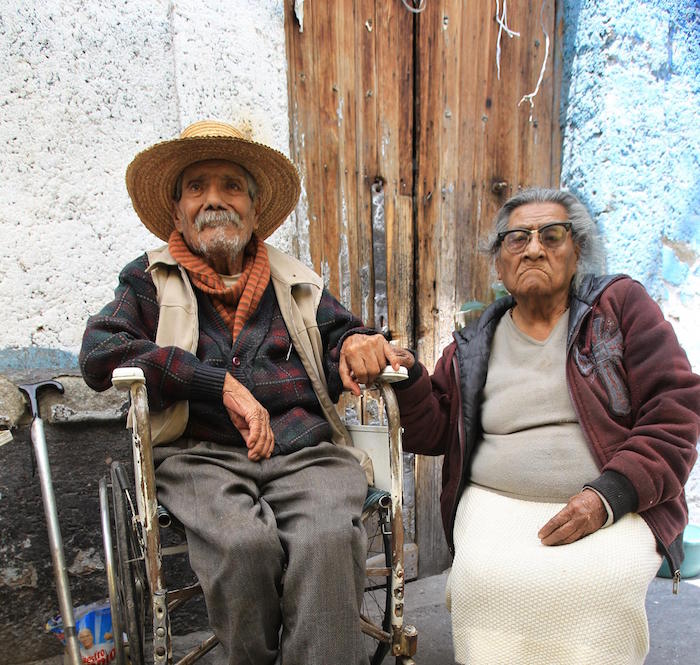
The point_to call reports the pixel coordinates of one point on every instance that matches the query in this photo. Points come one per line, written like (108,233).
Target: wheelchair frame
(133,566)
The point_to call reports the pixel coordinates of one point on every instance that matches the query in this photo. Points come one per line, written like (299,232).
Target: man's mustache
(216,218)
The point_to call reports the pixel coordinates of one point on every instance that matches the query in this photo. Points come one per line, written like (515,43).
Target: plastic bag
(93,623)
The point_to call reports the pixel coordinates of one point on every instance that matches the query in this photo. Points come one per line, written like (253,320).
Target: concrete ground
(674,625)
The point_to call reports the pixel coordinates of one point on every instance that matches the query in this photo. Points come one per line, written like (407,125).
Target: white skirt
(515,601)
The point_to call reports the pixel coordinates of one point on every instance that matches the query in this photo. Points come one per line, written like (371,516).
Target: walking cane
(65,604)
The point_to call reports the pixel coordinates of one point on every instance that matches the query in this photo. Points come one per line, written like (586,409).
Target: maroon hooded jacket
(637,400)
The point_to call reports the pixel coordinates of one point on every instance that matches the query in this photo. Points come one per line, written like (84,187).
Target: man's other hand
(250,418)
(363,357)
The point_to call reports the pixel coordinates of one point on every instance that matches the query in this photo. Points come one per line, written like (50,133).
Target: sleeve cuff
(610,518)
(207,383)
(618,491)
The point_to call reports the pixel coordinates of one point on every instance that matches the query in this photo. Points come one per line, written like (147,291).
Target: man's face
(85,637)
(215,213)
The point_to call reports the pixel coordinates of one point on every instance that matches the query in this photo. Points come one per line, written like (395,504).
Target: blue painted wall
(630,119)
(631,147)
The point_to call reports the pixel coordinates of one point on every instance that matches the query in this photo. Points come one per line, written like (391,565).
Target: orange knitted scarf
(236,303)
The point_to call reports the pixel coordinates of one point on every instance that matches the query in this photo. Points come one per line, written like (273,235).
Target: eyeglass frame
(500,237)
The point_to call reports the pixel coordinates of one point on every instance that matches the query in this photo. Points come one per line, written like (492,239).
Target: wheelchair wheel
(131,571)
(376,605)
(110,571)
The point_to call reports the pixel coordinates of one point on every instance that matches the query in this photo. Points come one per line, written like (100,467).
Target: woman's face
(538,272)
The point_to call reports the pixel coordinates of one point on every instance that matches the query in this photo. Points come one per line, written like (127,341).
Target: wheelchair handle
(32,390)
(124,377)
(391,375)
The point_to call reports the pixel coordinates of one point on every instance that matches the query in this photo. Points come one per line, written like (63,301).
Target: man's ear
(257,206)
(175,214)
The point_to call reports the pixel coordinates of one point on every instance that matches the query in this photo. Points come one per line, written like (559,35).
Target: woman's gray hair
(583,229)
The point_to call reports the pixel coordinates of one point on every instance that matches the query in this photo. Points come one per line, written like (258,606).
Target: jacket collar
(580,302)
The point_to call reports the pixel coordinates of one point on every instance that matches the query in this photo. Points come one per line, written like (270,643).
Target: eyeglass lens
(550,236)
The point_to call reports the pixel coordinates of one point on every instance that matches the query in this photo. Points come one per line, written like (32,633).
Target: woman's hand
(363,357)
(250,418)
(584,514)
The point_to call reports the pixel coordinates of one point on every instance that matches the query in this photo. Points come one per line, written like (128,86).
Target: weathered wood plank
(400,270)
(366,141)
(305,146)
(393,30)
(432,78)
(346,112)
(326,56)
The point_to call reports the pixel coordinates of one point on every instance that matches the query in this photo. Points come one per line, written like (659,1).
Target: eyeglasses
(550,236)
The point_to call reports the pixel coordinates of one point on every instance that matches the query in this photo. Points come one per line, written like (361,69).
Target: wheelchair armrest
(124,377)
(390,375)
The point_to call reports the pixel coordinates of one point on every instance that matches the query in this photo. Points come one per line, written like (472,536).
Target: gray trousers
(278,547)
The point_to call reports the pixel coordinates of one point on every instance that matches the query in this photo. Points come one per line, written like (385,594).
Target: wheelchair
(133,525)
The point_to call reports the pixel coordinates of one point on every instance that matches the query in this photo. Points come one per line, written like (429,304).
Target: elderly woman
(568,417)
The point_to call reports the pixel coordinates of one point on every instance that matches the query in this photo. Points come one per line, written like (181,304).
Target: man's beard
(219,243)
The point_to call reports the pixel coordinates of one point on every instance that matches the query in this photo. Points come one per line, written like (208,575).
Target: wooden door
(412,104)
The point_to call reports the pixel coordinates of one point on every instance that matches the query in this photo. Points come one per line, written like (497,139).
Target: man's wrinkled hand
(584,514)
(363,357)
(250,418)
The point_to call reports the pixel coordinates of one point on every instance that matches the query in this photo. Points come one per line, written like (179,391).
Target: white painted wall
(86,86)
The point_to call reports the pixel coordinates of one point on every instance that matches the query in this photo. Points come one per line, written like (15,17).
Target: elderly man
(244,354)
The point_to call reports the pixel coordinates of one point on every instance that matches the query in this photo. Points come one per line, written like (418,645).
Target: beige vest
(298,290)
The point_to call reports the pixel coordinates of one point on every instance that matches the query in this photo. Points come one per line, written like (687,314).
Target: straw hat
(151,176)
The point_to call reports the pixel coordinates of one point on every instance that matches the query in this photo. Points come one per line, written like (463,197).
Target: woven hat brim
(151,178)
